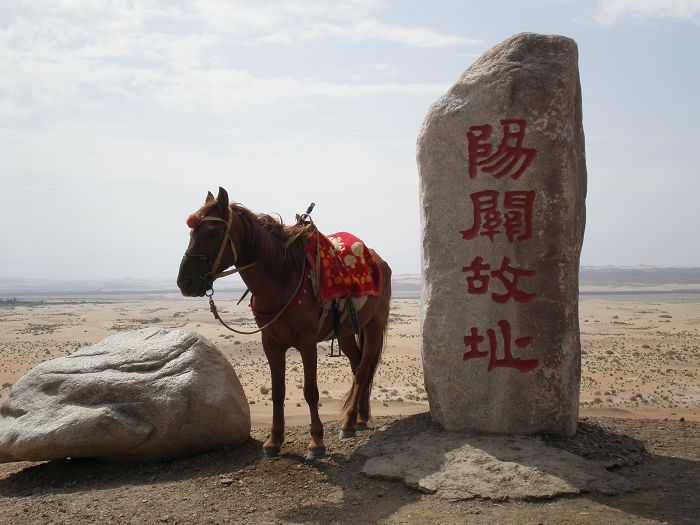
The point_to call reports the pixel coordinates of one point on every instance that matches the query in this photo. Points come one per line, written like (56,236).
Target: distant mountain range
(592,279)
(637,276)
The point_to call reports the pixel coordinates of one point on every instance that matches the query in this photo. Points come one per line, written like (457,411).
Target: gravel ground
(236,485)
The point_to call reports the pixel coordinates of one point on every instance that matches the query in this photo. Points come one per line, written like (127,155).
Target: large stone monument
(503,184)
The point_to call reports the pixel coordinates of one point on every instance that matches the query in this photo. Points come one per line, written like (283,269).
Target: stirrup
(332,354)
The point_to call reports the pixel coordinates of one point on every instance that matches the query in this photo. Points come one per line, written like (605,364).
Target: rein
(212,307)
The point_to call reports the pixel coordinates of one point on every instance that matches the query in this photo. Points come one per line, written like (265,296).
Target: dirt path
(237,486)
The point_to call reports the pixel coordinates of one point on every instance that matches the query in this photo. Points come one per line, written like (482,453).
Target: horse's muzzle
(194,278)
(190,288)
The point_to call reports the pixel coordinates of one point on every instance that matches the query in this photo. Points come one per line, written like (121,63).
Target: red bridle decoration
(194,220)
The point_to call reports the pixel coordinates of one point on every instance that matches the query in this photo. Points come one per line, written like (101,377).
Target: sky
(116,118)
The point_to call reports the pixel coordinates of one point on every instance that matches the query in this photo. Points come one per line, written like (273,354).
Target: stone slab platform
(458,466)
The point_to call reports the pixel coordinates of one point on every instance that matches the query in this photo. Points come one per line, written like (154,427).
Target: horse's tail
(381,321)
(374,365)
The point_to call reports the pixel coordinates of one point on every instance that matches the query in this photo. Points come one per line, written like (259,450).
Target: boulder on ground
(138,395)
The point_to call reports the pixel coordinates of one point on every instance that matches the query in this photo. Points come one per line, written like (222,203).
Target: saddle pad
(344,265)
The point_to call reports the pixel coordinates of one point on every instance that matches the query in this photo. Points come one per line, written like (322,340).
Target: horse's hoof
(316,453)
(346,434)
(271,452)
(361,427)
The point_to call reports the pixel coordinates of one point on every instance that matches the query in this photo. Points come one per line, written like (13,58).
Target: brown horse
(271,260)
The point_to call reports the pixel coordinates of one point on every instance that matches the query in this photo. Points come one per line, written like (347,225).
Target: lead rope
(301,219)
(213,309)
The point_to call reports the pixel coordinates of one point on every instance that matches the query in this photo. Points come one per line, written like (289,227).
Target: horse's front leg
(309,357)
(276,357)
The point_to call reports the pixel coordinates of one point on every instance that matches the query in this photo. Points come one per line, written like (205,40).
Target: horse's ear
(222,200)
(209,198)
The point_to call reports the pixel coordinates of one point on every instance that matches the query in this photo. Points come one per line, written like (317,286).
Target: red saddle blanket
(344,266)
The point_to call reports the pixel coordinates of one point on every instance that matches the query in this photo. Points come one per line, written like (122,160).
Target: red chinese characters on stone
(487,216)
(473,341)
(478,282)
(515,215)
(506,213)
(511,283)
(518,214)
(511,158)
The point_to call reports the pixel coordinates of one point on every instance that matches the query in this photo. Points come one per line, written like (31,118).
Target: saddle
(343,274)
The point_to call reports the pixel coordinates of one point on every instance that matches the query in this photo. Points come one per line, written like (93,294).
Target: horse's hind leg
(309,357)
(276,358)
(363,410)
(348,345)
(357,404)
(350,348)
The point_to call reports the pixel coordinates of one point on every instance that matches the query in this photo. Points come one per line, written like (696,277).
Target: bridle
(210,276)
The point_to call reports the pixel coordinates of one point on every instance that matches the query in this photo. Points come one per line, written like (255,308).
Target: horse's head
(206,254)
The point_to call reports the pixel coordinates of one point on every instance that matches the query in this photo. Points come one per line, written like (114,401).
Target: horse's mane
(278,246)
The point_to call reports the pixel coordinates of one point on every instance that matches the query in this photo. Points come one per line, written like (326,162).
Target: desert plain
(640,385)
(640,353)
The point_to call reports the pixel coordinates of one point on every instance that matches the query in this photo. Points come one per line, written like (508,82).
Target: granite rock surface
(502,186)
(139,395)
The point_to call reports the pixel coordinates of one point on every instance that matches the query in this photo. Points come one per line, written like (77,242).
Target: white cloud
(263,21)
(611,11)
(356,72)
(298,21)
(50,83)
(363,31)
(68,55)
(224,90)
(242,16)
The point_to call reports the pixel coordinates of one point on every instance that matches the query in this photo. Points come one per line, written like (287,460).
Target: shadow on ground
(668,478)
(74,475)
(603,462)
(235,485)
(343,494)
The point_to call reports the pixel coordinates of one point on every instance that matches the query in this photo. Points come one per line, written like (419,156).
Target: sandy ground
(235,485)
(32,334)
(641,360)
(641,356)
